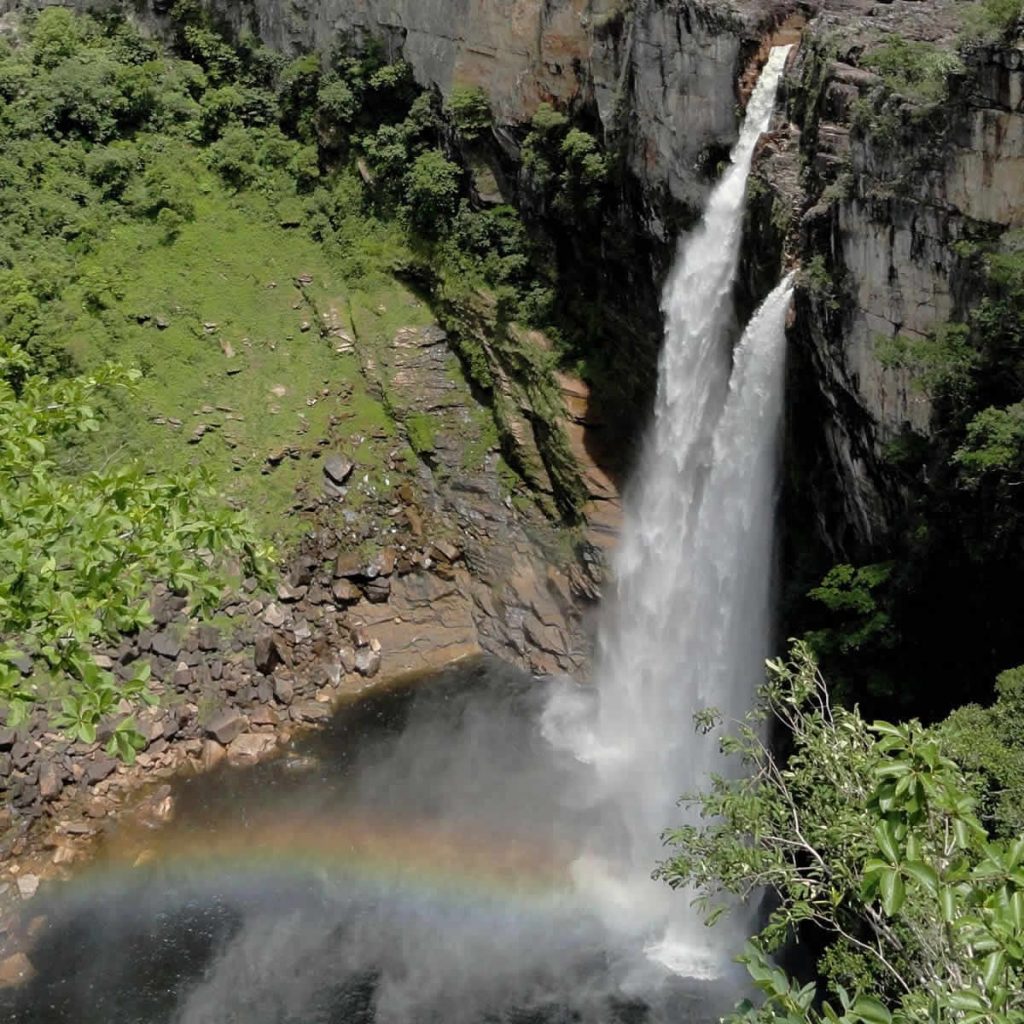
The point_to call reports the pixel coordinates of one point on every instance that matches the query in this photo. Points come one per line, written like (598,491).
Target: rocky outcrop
(882,195)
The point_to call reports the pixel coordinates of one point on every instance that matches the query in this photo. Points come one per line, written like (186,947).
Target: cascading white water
(689,624)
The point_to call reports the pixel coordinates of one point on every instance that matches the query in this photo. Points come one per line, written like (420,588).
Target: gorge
(383,561)
(601,934)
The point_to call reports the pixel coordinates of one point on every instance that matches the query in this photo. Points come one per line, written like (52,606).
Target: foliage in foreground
(867,837)
(80,554)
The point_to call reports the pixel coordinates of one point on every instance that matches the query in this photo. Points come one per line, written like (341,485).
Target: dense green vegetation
(80,552)
(881,847)
(198,244)
(916,77)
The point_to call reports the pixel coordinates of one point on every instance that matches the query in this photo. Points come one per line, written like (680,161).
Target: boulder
(65,853)
(303,570)
(250,747)
(275,616)
(225,725)
(289,594)
(157,809)
(383,563)
(367,662)
(98,769)
(264,714)
(16,970)
(209,638)
(378,591)
(349,566)
(338,468)
(165,608)
(212,755)
(311,711)
(347,657)
(28,886)
(266,656)
(50,781)
(345,592)
(444,551)
(166,644)
(284,691)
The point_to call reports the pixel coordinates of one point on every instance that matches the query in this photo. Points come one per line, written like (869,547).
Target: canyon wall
(661,74)
(883,217)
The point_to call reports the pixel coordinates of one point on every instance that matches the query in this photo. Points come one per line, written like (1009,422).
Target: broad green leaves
(871,835)
(80,553)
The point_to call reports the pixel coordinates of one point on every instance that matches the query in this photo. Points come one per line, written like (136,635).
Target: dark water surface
(410,863)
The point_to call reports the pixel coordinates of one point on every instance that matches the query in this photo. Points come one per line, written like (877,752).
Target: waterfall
(689,624)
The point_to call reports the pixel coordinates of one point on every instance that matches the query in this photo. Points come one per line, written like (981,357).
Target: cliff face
(882,210)
(661,75)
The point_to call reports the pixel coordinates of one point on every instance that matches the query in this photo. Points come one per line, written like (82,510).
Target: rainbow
(444,864)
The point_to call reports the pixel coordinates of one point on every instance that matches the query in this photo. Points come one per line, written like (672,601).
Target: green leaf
(885,836)
(947,904)
(993,967)
(893,891)
(966,999)
(923,873)
(962,833)
(870,1010)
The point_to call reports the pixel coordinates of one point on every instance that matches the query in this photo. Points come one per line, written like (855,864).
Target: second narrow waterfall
(689,624)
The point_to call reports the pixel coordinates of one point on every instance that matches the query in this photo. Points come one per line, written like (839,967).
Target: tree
(337,106)
(56,37)
(470,111)
(432,191)
(994,444)
(868,835)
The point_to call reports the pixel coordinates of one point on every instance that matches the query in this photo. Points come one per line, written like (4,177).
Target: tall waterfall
(689,624)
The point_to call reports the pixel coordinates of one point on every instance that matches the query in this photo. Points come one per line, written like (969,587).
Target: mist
(413,863)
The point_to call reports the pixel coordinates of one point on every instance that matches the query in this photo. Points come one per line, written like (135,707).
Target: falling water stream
(478,849)
(689,624)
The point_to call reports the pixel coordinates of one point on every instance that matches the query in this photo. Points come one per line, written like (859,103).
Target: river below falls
(412,862)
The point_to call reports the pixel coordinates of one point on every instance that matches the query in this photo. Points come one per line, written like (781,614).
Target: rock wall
(661,75)
(877,221)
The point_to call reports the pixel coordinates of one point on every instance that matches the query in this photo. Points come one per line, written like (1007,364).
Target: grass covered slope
(199,278)
(242,330)
(136,250)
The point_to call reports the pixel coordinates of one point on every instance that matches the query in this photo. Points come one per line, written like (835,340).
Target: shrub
(432,191)
(994,444)
(470,110)
(919,71)
(56,37)
(865,837)
(941,364)
(990,19)
(80,554)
